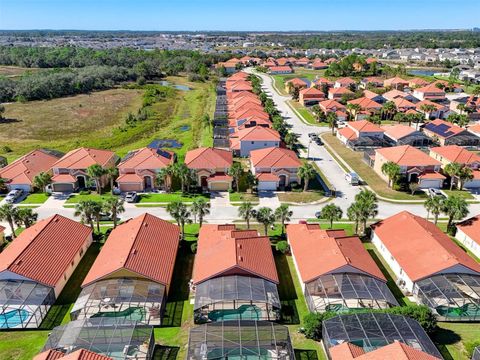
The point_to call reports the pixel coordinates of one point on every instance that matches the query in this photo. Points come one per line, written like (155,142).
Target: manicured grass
(367,174)
(169,197)
(300,73)
(76,198)
(35,198)
(452,337)
(301,197)
(243,196)
(464,194)
(322,175)
(21,345)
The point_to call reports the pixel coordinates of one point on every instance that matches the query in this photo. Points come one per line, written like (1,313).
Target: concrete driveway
(268,199)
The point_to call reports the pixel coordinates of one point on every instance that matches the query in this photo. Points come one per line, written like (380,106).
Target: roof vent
(239,246)
(19,262)
(145,225)
(240,258)
(134,251)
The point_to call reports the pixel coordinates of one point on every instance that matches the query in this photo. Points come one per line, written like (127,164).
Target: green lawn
(76,198)
(303,197)
(279,80)
(452,337)
(243,196)
(169,197)
(21,345)
(464,194)
(35,198)
(367,174)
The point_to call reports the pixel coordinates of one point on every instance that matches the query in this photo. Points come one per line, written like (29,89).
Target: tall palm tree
(179,211)
(332,120)
(85,209)
(97,207)
(434,206)
(464,175)
(96,172)
(456,208)
(332,213)
(246,212)
(389,109)
(427,110)
(266,217)
(112,173)
(200,208)
(392,171)
(283,214)
(353,214)
(114,205)
(8,213)
(25,217)
(236,171)
(368,206)
(306,172)
(291,140)
(183,173)
(452,170)
(165,175)
(353,110)
(41,181)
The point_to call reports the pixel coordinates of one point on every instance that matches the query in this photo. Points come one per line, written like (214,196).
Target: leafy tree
(114,205)
(392,171)
(282,246)
(456,208)
(283,214)
(251,180)
(179,211)
(306,172)
(236,171)
(112,173)
(291,140)
(200,208)
(8,213)
(319,114)
(42,180)
(434,205)
(453,170)
(331,212)
(354,110)
(25,217)
(414,187)
(96,172)
(266,217)
(86,210)
(246,212)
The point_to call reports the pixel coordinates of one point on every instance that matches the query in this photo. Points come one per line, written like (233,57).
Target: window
(81,252)
(73,263)
(252,142)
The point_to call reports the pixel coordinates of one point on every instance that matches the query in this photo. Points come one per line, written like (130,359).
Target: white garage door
(436,184)
(25,188)
(267,185)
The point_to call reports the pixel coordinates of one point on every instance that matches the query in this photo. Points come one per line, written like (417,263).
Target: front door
(282,181)
(203,181)
(81,182)
(147,182)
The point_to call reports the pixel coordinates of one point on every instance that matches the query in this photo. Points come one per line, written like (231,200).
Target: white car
(131,197)
(436,192)
(12,196)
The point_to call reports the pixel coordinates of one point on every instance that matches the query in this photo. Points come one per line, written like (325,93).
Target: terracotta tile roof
(373,79)
(432,88)
(24,169)
(407,155)
(223,250)
(223,178)
(312,91)
(366,103)
(296,82)
(432,175)
(274,158)
(443,129)
(49,355)
(319,63)
(471,227)
(147,158)
(474,129)
(418,82)
(345,81)
(317,252)
(394,351)
(340,90)
(129,178)
(455,153)
(82,158)
(145,245)
(323,80)
(258,133)
(398,132)
(345,351)
(251,112)
(44,251)
(267,177)
(63,178)
(331,104)
(281,68)
(364,126)
(208,158)
(370,94)
(81,354)
(392,94)
(402,103)
(348,133)
(239,85)
(419,247)
(428,102)
(238,76)
(395,81)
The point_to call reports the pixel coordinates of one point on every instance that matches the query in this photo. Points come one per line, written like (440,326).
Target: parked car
(131,197)
(318,214)
(13,196)
(318,141)
(436,192)
(352,178)
(312,136)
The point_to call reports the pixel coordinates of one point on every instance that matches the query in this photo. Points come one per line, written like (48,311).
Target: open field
(15,71)
(300,73)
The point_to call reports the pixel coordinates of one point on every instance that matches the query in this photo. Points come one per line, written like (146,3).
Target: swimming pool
(244,312)
(132,313)
(13,318)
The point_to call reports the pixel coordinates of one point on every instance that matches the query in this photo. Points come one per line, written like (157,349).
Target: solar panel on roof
(164,153)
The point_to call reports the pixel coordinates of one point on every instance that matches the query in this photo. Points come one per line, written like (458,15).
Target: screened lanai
(124,298)
(454,297)
(24,304)
(476,353)
(236,297)
(118,339)
(240,339)
(371,331)
(346,292)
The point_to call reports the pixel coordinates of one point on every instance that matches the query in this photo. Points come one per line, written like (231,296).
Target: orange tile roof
(223,250)
(392,94)
(331,104)
(458,154)
(281,68)
(312,91)
(471,227)
(418,82)
(452,128)
(431,88)
(129,178)
(238,76)
(208,158)
(394,351)
(395,81)
(44,251)
(24,169)
(403,103)
(319,252)
(145,245)
(82,158)
(364,126)
(407,155)
(345,81)
(419,247)
(81,354)
(348,133)
(432,175)
(296,82)
(398,132)
(370,94)
(366,103)
(474,128)
(63,178)
(258,133)
(147,158)
(274,157)
(251,112)
(340,90)
(267,177)
(49,355)
(322,80)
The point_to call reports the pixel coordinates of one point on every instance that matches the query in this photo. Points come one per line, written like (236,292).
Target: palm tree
(332,120)
(266,217)
(283,214)
(179,211)
(246,212)
(456,208)
(461,108)
(368,206)
(236,171)
(97,207)
(452,170)
(389,109)
(251,180)
(112,173)
(25,217)
(8,213)
(183,173)
(464,175)
(434,206)
(331,212)
(392,171)
(400,117)
(41,181)
(114,205)
(200,208)
(353,214)
(164,177)
(96,172)
(353,110)
(291,140)
(306,172)
(85,209)
(427,109)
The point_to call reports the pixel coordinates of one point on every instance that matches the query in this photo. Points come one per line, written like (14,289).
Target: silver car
(131,197)
(13,196)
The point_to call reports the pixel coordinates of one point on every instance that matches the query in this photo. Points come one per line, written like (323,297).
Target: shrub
(312,324)
(85,192)
(6,149)
(282,246)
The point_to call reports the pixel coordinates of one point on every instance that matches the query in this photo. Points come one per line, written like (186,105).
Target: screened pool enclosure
(346,292)
(371,331)
(240,340)
(118,339)
(454,297)
(476,353)
(129,299)
(236,298)
(24,304)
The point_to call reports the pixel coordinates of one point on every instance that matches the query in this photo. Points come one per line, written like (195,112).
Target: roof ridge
(142,217)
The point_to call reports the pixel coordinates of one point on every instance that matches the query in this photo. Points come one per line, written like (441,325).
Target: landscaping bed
(170,197)
(242,197)
(35,198)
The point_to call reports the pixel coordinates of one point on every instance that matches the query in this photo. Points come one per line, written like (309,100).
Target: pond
(422,72)
(165,143)
(178,87)
(185,128)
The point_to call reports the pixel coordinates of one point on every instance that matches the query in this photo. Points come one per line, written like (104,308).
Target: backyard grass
(169,197)
(76,198)
(35,198)
(452,337)
(464,194)
(243,196)
(21,345)
(366,173)
(280,80)
(304,113)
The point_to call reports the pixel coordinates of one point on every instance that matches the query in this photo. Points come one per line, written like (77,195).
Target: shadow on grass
(71,290)
(165,352)
(305,354)
(179,289)
(442,338)
(286,291)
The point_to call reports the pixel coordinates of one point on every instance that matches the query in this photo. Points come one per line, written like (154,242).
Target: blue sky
(260,15)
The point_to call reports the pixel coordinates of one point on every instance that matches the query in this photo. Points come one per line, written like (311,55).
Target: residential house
(274,167)
(373,96)
(415,165)
(302,62)
(69,172)
(396,83)
(399,134)
(295,83)
(310,96)
(403,105)
(39,261)
(429,92)
(361,134)
(368,107)
(394,94)
(371,81)
(211,167)
(277,70)
(446,133)
(344,82)
(429,265)
(20,173)
(468,233)
(318,64)
(441,110)
(253,138)
(320,82)
(338,93)
(417,83)
(138,170)
(328,106)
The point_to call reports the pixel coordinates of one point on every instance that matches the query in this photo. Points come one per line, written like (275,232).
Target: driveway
(268,199)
